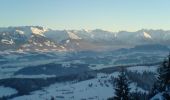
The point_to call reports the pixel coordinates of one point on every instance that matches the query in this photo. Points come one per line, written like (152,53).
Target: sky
(112,15)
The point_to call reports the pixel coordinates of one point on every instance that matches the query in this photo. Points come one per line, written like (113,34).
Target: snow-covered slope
(146,35)
(7,91)
(38,31)
(28,38)
(99,88)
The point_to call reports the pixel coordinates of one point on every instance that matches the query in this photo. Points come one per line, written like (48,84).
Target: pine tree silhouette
(122,89)
(163,79)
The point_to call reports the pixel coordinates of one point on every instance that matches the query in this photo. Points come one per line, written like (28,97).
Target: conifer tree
(122,89)
(163,79)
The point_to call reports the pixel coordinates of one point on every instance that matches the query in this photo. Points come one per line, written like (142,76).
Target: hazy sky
(113,15)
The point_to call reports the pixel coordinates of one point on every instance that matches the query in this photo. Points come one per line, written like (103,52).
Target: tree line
(160,88)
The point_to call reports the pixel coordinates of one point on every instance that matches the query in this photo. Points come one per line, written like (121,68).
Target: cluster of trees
(161,85)
(122,87)
(4,98)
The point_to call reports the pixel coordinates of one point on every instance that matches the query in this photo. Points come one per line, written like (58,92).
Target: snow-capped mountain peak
(38,31)
(20,32)
(73,36)
(36,37)
(147,35)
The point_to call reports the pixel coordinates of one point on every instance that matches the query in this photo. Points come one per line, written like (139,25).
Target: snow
(115,74)
(57,36)
(91,39)
(3,34)
(34,76)
(146,35)
(77,44)
(20,32)
(100,66)
(159,36)
(99,88)
(73,36)
(7,71)
(67,41)
(62,47)
(7,41)
(7,91)
(38,31)
(141,69)
(40,45)
(134,88)
(35,43)
(158,97)
(48,43)
(92,36)
(73,91)
(82,90)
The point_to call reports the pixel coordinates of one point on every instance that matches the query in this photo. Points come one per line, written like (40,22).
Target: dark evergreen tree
(135,96)
(3,98)
(163,79)
(122,89)
(52,98)
(154,90)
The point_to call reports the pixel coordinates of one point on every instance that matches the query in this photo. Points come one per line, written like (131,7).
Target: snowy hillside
(99,88)
(77,75)
(7,91)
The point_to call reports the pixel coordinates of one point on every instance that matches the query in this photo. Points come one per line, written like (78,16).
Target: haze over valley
(84,50)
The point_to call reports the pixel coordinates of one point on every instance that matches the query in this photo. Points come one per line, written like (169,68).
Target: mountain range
(37,38)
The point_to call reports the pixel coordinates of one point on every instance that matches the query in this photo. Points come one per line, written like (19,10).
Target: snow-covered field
(99,88)
(12,61)
(7,91)
(142,69)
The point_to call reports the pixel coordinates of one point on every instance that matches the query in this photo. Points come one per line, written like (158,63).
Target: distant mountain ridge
(30,38)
